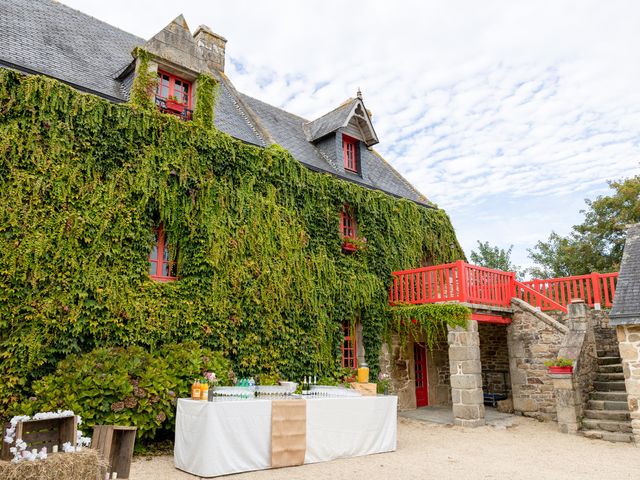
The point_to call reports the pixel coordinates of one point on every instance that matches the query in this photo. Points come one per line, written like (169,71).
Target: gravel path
(526,450)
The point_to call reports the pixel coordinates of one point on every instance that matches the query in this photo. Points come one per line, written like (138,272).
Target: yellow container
(363,373)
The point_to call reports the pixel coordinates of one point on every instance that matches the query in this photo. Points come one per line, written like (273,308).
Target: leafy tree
(493,257)
(596,244)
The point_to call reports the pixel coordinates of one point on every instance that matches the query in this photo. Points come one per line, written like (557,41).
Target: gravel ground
(526,450)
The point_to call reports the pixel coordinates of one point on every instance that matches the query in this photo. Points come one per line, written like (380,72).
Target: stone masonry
(533,338)
(494,357)
(629,341)
(466,375)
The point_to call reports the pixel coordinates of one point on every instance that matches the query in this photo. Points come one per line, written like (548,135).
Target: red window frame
(172,85)
(348,225)
(350,153)
(161,268)
(349,352)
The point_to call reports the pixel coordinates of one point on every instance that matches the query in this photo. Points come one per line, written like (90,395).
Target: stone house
(500,355)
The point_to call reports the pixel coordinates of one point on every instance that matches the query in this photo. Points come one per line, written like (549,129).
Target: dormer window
(350,153)
(161,267)
(173,95)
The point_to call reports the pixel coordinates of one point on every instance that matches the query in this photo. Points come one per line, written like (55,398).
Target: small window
(173,95)
(161,267)
(350,153)
(348,226)
(349,352)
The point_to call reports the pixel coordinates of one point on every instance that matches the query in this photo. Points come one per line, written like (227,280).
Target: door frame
(420,347)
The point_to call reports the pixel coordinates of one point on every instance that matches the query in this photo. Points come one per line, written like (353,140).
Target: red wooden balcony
(465,283)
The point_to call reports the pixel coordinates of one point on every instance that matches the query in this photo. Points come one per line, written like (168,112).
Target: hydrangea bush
(127,386)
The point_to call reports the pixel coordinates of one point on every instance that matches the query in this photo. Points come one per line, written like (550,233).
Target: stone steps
(606,425)
(608,436)
(609,386)
(609,415)
(610,376)
(607,405)
(613,368)
(609,396)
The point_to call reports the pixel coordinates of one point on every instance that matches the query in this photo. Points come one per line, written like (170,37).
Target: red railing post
(462,281)
(595,285)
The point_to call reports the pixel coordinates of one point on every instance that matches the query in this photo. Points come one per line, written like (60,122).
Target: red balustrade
(595,288)
(451,282)
(467,283)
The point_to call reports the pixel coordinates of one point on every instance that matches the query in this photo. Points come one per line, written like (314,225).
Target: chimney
(211,47)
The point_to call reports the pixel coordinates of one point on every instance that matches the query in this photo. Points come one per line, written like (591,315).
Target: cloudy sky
(508,114)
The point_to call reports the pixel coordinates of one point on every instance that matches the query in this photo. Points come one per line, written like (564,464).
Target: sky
(507,114)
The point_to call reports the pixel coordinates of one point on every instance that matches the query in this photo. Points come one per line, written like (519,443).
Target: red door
(420,359)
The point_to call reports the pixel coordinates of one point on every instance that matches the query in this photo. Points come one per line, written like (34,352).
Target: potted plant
(351,244)
(173,104)
(560,365)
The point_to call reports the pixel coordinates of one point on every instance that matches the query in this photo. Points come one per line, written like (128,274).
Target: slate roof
(46,37)
(626,303)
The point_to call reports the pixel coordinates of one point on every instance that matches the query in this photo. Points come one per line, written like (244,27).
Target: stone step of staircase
(606,425)
(609,396)
(613,415)
(608,353)
(610,376)
(611,386)
(608,405)
(608,360)
(608,436)
(613,368)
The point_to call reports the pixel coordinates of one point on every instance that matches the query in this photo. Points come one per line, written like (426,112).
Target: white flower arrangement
(20,451)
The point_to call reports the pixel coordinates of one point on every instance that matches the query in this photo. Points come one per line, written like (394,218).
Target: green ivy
(427,322)
(145,82)
(263,278)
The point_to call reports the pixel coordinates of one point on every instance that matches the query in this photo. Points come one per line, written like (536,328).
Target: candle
(55,449)
(114,475)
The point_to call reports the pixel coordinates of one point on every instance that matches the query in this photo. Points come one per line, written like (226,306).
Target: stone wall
(438,373)
(396,360)
(531,342)
(494,356)
(606,340)
(629,338)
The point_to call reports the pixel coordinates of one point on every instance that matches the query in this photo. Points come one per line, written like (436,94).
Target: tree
(493,257)
(596,244)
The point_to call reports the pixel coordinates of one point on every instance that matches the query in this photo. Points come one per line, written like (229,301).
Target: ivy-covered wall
(262,275)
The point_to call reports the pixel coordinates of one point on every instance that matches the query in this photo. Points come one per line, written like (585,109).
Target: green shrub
(118,386)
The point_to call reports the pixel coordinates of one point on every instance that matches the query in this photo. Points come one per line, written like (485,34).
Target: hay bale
(86,464)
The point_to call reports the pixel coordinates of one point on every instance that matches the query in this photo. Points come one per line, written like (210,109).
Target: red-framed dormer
(174,95)
(350,153)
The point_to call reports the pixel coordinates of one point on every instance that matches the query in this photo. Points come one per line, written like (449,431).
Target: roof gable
(626,304)
(353,110)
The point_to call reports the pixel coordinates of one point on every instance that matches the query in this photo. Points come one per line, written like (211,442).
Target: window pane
(166,251)
(153,268)
(154,251)
(165,269)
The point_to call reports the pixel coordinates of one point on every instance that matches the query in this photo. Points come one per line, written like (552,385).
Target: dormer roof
(351,110)
(626,304)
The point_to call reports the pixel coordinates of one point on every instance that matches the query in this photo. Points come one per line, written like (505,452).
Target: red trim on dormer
(171,85)
(350,153)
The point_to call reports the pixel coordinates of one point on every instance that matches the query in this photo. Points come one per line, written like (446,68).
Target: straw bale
(87,464)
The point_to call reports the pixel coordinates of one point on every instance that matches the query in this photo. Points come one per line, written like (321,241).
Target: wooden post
(462,281)
(595,285)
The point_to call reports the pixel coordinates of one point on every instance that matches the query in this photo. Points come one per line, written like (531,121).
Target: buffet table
(223,437)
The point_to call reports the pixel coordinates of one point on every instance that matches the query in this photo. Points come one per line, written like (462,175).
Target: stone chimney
(211,47)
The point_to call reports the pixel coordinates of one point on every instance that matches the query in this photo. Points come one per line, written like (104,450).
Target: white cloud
(507,114)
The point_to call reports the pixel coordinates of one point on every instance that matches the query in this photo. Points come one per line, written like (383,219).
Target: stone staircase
(607,416)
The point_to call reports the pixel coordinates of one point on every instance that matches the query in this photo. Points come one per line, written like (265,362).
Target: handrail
(536,299)
(596,289)
(465,283)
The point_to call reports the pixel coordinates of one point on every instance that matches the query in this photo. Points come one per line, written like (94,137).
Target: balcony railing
(462,282)
(174,108)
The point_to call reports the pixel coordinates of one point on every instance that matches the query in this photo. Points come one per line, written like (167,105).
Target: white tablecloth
(223,437)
